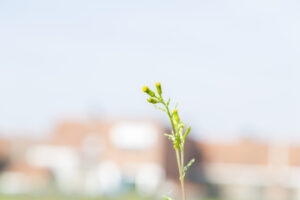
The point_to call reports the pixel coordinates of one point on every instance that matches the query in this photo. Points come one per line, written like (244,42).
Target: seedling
(177,135)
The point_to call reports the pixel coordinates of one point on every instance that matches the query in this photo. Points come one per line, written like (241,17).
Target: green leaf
(176,141)
(166,198)
(186,132)
(178,137)
(188,166)
(160,108)
(168,102)
(180,125)
(176,105)
(170,137)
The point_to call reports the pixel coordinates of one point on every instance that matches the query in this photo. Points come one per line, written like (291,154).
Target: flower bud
(145,89)
(152,100)
(158,87)
(175,114)
(148,91)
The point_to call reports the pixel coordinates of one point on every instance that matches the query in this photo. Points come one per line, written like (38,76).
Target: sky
(233,66)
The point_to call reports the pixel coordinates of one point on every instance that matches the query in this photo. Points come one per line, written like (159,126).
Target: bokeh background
(74,122)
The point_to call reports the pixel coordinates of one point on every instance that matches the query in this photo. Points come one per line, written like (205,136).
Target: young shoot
(178,133)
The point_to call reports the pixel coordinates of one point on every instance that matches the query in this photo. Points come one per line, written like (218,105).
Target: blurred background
(75,124)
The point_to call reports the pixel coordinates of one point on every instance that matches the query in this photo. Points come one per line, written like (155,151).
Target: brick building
(110,157)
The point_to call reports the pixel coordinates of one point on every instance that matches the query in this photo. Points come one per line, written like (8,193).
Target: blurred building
(4,153)
(92,157)
(16,174)
(253,170)
(111,157)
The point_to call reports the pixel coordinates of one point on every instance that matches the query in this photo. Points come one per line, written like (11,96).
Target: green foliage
(177,137)
(167,198)
(188,166)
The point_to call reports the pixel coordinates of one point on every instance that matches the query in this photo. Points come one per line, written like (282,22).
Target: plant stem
(170,116)
(181,178)
(179,157)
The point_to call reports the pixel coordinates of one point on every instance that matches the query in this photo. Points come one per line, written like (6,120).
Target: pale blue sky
(232,65)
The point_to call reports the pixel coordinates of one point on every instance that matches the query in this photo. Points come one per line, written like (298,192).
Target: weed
(177,135)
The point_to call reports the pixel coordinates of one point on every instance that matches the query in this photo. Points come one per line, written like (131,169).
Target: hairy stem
(180,169)
(179,157)
(182,179)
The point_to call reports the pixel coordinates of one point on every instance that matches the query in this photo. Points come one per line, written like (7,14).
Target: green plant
(177,135)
